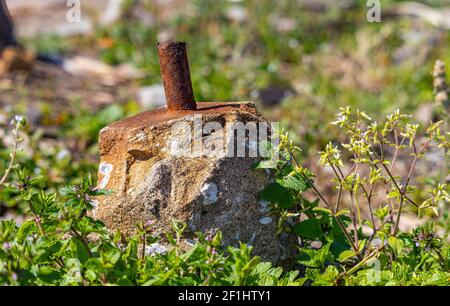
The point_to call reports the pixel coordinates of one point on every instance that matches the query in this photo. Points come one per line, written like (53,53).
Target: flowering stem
(143,246)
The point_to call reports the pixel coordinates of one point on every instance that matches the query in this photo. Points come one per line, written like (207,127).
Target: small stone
(265,220)
(239,199)
(263,206)
(263,203)
(94,204)
(209,192)
(193,220)
(105,170)
(140,137)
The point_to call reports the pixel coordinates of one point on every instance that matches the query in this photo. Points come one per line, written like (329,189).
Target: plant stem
(37,219)
(398,187)
(397,221)
(83,241)
(375,231)
(13,156)
(346,234)
(442,261)
(338,200)
(310,182)
(354,218)
(358,265)
(143,247)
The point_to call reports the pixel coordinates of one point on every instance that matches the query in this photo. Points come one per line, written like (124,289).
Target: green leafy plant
(60,244)
(365,180)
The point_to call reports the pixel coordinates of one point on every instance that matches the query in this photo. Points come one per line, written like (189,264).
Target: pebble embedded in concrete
(140,137)
(263,206)
(265,220)
(94,204)
(209,192)
(105,169)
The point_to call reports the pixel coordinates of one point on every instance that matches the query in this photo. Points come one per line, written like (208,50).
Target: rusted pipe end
(176,76)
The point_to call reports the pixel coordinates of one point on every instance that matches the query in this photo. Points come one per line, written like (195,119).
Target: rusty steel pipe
(176,76)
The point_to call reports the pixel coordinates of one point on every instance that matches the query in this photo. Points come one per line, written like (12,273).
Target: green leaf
(295,182)
(346,255)
(36,180)
(382,212)
(327,278)
(307,257)
(276,193)
(344,211)
(396,244)
(217,240)
(336,232)
(266,164)
(309,229)
(79,250)
(49,274)
(323,210)
(89,225)
(324,254)
(171,239)
(361,245)
(25,230)
(117,236)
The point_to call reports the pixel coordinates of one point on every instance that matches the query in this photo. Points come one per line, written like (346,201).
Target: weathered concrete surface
(206,193)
